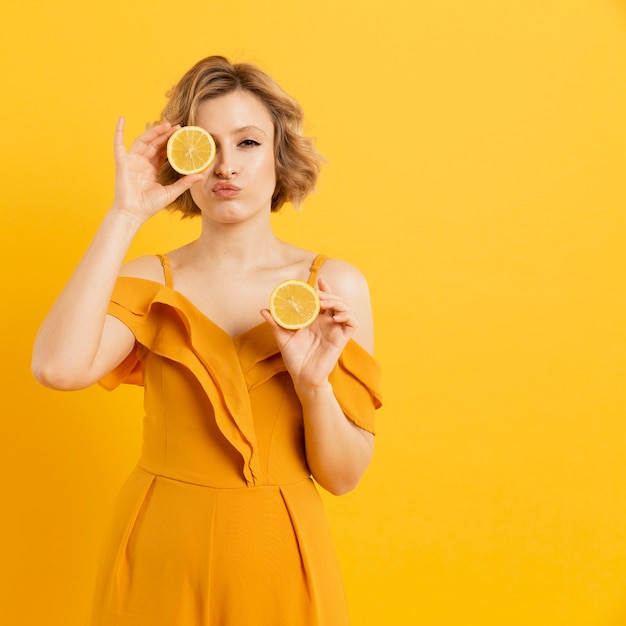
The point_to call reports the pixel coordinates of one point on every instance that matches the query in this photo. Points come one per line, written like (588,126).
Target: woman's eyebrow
(249,127)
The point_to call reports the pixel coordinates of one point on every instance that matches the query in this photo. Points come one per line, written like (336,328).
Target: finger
(153,140)
(323,285)
(345,318)
(336,307)
(179,187)
(278,329)
(154,131)
(332,301)
(281,335)
(267,316)
(118,140)
(324,291)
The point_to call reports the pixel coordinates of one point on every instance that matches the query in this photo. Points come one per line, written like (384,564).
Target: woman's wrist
(308,392)
(128,220)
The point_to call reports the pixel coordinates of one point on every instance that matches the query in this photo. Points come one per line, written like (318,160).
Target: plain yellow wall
(476,175)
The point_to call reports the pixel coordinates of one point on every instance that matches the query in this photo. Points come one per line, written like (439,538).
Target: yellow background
(476,175)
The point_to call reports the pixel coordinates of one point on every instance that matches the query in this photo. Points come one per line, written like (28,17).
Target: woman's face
(241,180)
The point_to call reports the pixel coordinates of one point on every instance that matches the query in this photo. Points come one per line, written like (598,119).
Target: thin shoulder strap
(318,261)
(167,270)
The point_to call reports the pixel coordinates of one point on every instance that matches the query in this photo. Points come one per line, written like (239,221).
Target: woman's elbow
(54,377)
(339,484)
(341,487)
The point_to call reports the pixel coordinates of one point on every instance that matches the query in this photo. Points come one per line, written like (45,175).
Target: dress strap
(318,261)
(167,270)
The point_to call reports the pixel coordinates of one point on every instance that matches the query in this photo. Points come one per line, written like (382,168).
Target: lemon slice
(294,304)
(190,150)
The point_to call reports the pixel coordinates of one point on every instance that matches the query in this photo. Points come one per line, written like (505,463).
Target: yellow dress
(220,524)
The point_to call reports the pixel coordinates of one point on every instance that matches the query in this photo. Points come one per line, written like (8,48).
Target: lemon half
(294,304)
(190,150)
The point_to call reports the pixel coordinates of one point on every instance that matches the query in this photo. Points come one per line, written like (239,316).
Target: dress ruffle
(168,324)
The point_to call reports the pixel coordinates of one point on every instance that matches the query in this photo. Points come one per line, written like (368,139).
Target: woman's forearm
(338,452)
(70,336)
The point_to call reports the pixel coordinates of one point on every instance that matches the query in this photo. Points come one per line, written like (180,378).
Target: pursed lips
(225,190)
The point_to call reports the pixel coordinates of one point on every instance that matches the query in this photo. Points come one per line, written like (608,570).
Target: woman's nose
(225,166)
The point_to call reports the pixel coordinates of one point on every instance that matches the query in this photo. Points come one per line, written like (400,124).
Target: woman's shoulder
(348,282)
(149,267)
(343,277)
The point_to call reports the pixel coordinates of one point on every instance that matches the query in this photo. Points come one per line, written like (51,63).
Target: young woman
(221,523)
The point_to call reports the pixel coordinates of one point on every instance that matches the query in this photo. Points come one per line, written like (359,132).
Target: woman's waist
(223,478)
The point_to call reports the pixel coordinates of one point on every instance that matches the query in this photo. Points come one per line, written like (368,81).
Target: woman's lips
(225,190)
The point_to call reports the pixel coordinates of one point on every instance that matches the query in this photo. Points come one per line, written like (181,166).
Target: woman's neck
(242,245)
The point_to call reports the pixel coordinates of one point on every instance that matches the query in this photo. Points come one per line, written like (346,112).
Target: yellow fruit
(190,150)
(294,304)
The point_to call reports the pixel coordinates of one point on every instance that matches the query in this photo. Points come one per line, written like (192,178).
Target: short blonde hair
(297,161)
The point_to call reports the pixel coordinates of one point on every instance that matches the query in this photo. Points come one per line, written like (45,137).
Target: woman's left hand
(310,354)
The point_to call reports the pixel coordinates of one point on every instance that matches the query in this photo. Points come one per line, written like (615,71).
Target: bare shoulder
(148,267)
(345,279)
(350,284)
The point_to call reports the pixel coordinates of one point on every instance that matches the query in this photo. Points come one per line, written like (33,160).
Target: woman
(220,523)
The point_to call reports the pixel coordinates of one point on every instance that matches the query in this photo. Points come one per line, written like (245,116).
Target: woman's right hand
(136,190)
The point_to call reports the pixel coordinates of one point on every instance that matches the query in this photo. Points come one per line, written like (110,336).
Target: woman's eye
(248,143)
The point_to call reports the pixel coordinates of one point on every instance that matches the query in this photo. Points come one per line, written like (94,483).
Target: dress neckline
(316,264)
(197,311)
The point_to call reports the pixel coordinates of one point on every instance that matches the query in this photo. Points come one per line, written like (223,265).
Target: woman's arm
(338,451)
(78,342)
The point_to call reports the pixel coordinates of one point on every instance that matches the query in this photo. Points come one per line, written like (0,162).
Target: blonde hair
(297,161)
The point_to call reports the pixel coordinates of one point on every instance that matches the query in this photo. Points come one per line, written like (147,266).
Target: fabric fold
(166,323)
(356,382)
(317,552)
